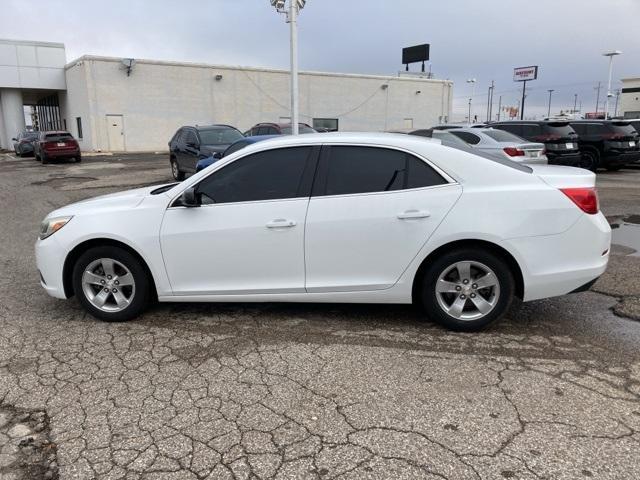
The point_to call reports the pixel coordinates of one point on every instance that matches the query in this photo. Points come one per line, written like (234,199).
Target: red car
(56,145)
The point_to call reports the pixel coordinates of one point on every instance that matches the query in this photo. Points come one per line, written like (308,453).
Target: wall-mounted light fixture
(218,77)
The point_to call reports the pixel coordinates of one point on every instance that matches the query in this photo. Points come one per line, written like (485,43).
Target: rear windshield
(559,128)
(450,138)
(54,137)
(301,129)
(219,136)
(623,127)
(494,158)
(502,136)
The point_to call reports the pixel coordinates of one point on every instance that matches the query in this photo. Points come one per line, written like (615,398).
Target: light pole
(550,92)
(575,103)
(615,112)
(292,18)
(472,81)
(610,54)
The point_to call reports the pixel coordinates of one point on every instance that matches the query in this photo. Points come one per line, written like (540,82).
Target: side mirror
(189,198)
(217,155)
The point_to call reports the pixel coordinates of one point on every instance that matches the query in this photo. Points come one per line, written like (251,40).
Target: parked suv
(23,143)
(191,144)
(56,145)
(277,129)
(560,140)
(609,144)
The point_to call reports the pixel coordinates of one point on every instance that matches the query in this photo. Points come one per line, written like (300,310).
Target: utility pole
(598,97)
(609,94)
(472,81)
(499,106)
(490,101)
(575,102)
(524,96)
(549,111)
(615,113)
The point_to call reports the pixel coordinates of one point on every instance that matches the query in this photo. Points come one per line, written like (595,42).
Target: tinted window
(53,137)
(596,129)
(502,136)
(274,174)
(449,138)
(580,128)
(531,130)
(624,128)
(189,136)
(470,138)
(369,169)
(562,129)
(515,129)
(262,131)
(219,136)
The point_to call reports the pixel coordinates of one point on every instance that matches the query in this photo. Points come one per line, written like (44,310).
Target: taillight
(585,198)
(612,136)
(514,152)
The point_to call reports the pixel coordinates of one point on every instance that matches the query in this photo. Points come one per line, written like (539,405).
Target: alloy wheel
(108,285)
(467,290)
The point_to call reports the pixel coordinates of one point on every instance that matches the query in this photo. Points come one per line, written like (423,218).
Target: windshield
(502,136)
(301,129)
(31,135)
(450,138)
(219,136)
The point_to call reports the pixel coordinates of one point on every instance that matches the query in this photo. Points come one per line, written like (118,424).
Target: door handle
(413,214)
(281,223)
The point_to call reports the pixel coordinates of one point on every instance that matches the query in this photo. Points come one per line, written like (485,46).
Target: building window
(326,124)
(79,125)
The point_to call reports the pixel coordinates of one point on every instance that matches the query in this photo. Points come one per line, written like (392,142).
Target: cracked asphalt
(286,391)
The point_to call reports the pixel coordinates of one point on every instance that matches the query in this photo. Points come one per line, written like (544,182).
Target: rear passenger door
(372,209)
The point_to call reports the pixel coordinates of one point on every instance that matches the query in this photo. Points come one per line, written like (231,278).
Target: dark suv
(191,144)
(560,140)
(277,129)
(609,144)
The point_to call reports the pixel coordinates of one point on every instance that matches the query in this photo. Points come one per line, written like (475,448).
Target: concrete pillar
(12,114)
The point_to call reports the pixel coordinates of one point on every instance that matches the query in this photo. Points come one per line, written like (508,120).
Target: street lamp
(550,92)
(610,54)
(292,13)
(472,81)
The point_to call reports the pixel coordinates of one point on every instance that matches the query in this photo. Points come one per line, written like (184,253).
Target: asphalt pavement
(215,391)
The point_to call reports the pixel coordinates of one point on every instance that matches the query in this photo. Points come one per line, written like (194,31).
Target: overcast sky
(469,38)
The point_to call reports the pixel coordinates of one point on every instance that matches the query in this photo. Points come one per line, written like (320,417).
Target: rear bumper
(61,154)
(559,264)
(569,159)
(621,157)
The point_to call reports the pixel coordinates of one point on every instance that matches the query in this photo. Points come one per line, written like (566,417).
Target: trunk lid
(564,177)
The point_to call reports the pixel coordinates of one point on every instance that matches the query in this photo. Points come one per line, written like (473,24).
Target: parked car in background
(451,126)
(277,129)
(609,144)
(364,218)
(191,144)
(446,137)
(234,147)
(499,142)
(23,143)
(560,140)
(56,145)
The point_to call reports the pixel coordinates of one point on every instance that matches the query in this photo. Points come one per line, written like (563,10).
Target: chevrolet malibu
(360,218)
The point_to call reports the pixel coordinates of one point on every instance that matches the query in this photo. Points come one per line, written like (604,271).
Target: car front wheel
(467,289)
(111,284)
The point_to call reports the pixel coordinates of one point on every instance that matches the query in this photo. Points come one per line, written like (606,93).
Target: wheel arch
(511,262)
(78,250)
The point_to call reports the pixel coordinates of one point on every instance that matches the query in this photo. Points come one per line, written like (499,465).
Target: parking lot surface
(221,391)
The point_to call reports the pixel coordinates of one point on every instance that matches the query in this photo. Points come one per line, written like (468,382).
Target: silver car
(505,144)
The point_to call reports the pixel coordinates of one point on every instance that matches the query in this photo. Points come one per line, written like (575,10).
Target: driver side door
(247,237)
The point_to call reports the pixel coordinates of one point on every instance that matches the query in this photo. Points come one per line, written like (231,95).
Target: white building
(630,98)
(111,108)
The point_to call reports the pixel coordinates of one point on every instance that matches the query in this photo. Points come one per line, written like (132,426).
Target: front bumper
(50,261)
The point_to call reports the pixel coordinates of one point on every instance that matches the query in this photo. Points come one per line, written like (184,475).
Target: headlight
(52,225)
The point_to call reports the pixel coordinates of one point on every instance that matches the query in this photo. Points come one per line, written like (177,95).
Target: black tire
(175,170)
(43,159)
(141,297)
(78,159)
(590,160)
(443,264)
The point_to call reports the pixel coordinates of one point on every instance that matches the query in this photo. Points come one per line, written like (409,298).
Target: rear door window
(511,128)
(596,129)
(351,170)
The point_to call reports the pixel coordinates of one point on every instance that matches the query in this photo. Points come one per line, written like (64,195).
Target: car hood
(113,201)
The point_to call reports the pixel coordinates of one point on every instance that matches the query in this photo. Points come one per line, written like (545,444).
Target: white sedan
(359,218)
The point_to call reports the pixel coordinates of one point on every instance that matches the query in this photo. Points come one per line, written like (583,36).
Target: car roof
(216,125)
(54,131)
(257,138)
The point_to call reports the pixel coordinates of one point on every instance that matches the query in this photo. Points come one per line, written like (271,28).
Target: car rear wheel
(175,170)
(78,159)
(590,160)
(111,284)
(467,289)
(43,159)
